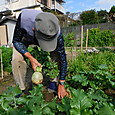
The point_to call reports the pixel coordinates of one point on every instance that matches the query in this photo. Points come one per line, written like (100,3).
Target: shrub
(7,57)
(107,37)
(85,62)
(67,40)
(100,38)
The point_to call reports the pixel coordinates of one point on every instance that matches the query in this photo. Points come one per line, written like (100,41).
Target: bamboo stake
(1,65)
(82,38)
(75,46)
(87,40)
(71,52)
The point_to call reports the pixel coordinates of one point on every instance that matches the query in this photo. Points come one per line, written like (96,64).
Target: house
(10,10)
(17,5)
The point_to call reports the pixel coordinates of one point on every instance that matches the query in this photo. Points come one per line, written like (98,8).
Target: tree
(89,17)
(102,16)
(111,14)
(112,10)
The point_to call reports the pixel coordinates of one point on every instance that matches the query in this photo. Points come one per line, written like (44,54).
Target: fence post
(71,49)
(82,38)
(87,40)
(71,52)
(75,47)
(1,64)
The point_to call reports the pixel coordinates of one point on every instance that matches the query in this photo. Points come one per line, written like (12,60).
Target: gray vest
(27,20)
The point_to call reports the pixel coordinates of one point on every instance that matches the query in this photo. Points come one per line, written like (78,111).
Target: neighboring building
(17,5)
(75,16)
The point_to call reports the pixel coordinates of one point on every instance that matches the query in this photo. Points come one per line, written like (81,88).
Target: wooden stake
(71,49)
(82,38)
(71,52)
(1,64)
(87,40)
(75,46)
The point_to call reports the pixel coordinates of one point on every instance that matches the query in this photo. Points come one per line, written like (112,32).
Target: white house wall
(22,4)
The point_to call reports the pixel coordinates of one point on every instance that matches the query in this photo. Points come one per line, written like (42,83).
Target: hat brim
(47,45)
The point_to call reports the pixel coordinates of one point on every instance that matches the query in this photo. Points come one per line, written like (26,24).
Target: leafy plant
(86,62)
(99,79)
(31,104)
(81,103)
(100,38)
(69,40)
(50,67)
(106,110)
(7,58)
(94,84)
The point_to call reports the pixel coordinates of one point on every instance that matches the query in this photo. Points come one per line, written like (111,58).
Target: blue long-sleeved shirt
(21,46)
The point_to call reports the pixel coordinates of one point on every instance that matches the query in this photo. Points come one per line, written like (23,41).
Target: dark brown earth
(8,80)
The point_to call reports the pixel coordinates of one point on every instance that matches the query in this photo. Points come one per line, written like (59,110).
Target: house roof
(62,1)
(5,13)
(7,18)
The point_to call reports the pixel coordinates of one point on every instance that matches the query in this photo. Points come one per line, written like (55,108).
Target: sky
(74,6)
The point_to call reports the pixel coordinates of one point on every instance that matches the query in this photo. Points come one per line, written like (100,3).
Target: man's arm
(62,57)
(63,65)
(18,35)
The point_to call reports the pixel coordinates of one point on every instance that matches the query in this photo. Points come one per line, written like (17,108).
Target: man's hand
(33,61)
(61,91)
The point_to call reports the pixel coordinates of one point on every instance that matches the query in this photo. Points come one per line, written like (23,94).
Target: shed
(9,23)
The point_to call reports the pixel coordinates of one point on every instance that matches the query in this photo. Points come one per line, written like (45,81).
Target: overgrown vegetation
(69,39)
(85,62)
(100,38)
(6,58)
(89,78)
(96,38)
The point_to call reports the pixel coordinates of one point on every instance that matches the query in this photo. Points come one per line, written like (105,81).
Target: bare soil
(8,80)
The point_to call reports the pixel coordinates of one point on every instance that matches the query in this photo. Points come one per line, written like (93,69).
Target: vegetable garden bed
(89,78)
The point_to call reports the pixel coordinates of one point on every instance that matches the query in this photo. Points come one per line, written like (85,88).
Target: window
(52,1)
(14,0)
(9,1)
(44,2)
